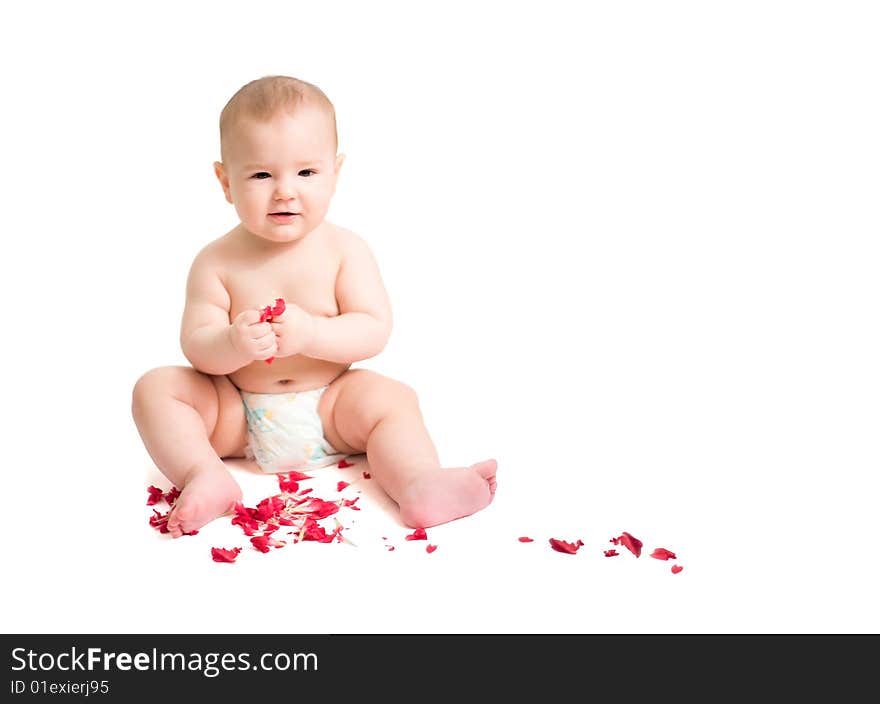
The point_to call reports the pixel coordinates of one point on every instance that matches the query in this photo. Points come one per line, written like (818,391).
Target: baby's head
(279,163)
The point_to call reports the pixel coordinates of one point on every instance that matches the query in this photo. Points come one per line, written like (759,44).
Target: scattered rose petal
(343,464)
(287,485)
(155,495)
(390,548)
(172,495)
(430,548)
(676,569)
(264,542)
(341,485)
(159,521)
(634,545)
(563,546)
(224,555)
(525,539)
(417,534)
(663,554)
(611,553)
(298,476)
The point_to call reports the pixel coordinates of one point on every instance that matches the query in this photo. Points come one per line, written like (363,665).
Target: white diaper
(285,431)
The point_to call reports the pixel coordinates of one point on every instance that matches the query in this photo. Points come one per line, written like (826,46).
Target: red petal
(343,464)
(159,521)
(611,553)
(224,555)
(417,534)
(563,546)
(676,569)
(634,545)
(430,548)
(366,475)
(299,476)
(172,495)
(269,360)
(155,495)
(663,554)
(287,484)
(321,508)
(278,308)
(524,539)
(341,485)
(261,542)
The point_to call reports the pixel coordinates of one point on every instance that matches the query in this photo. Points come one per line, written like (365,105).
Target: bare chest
(307,279)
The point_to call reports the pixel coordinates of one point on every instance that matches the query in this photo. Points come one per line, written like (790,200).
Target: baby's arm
(363,325)
(208,340)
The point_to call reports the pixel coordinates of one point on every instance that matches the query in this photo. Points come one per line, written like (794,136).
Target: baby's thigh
(229,435)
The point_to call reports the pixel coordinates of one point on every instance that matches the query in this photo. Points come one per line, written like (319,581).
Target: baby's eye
(307,172)
(262,174)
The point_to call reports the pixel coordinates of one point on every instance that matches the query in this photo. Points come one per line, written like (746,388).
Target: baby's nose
(285,191)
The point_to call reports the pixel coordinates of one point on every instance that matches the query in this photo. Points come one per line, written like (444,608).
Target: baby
(277,386)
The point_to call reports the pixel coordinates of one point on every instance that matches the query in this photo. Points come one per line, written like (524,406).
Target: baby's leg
(365,412)
(188,422)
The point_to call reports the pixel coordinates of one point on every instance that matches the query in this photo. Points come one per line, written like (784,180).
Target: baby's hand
(293,329)
(250,337)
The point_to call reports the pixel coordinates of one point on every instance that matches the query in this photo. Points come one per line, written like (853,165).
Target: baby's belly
(296,373)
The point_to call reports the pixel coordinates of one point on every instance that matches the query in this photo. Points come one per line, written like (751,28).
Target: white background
(633,255)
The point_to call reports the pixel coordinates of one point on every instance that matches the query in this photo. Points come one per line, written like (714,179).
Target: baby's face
(280,174)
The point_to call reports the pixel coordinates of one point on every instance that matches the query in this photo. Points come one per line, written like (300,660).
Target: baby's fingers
(247,317)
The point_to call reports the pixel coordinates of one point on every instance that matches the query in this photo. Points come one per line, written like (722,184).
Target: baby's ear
(223,178)
(339,159)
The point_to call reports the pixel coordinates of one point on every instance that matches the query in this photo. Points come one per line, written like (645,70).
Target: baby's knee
(159,382)
(396,394)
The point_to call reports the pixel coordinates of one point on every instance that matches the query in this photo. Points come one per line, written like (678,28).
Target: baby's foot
(442,495)
(209,493)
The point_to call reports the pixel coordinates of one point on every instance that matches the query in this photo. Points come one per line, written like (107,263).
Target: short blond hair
(265,97)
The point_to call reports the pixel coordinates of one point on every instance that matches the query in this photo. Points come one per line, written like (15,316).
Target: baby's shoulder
(216,254)
(345,241)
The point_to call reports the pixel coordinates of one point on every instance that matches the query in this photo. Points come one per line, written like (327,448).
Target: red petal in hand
(417,534)
(663,554)
(343,464)
(563,546)
(155,495)
(224,555)
(341,485)
(524,539)
(430,548)
(676,569)
(278,308)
